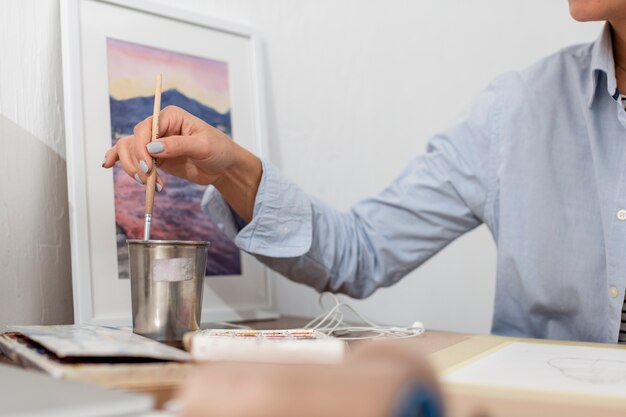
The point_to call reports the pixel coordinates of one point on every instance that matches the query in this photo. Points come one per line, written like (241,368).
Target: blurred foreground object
(381,379)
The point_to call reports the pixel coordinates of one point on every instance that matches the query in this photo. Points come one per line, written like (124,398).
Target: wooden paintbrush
(151,185)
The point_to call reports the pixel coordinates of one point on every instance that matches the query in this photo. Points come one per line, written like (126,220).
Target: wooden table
(446,350)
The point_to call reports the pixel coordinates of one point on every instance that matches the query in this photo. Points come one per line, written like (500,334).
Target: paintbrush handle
(151,184)
(150,187)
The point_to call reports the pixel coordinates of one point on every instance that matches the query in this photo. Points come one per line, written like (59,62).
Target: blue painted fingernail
(158,187)
(143,166)
(155,147)
(138,179)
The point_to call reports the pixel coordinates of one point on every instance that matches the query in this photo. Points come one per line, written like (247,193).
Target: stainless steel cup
(166,281)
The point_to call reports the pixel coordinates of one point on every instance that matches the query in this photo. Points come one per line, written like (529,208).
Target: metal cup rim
(142,242)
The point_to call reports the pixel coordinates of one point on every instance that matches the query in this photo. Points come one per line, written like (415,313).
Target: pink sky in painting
(133,68)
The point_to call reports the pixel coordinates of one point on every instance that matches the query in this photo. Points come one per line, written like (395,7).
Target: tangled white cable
(332,323)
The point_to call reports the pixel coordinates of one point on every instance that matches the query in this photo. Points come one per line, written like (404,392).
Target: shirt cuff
(218,210)
(281,225)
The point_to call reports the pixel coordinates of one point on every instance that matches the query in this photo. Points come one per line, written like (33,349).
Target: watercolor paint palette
(271,346)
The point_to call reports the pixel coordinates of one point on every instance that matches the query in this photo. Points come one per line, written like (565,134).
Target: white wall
(356,88)
(35,275)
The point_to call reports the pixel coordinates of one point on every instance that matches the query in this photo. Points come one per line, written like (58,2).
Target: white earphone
(332,323)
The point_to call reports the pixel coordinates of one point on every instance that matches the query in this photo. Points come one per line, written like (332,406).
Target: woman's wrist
(239,183)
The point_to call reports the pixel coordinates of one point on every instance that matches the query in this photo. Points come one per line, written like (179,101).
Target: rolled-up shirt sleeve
(281,220)
(439,196)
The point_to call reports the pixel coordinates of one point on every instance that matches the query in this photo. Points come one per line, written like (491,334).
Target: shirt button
(613,291)
(621,215)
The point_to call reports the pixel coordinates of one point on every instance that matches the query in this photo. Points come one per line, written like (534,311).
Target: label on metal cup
(172,270)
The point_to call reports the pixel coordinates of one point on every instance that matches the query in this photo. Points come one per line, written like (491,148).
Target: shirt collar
(602,61)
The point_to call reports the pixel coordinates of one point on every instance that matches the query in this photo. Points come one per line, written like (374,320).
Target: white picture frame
(100,297)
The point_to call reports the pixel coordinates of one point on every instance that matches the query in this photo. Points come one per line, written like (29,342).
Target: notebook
(104,356)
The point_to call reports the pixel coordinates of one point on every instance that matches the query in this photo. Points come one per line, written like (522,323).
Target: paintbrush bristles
(151,184)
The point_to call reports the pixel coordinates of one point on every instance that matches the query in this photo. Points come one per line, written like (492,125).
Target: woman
(539,158)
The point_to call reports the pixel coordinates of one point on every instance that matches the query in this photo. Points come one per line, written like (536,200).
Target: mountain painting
(198,85)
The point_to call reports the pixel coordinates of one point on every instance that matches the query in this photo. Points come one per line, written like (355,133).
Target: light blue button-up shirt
(539,157)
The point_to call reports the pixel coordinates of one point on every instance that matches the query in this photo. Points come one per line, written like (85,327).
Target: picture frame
(100,294)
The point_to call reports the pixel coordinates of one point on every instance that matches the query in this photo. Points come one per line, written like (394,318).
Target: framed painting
(112,51)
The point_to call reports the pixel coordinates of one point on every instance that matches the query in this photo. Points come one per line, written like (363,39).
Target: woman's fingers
(127,161)
(172,121)
(122,151)
(160,184)
(174,146)
(110,158)
(182,135)
(142,134)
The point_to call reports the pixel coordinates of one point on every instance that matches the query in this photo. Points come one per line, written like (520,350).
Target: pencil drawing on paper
(198,85)
(592,371)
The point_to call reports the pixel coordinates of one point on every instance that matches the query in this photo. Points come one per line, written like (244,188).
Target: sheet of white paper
(549,367)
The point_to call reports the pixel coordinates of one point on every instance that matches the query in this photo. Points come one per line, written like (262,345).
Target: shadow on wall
(35,267)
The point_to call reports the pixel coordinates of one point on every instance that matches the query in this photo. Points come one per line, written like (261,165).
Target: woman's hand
(191,149)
